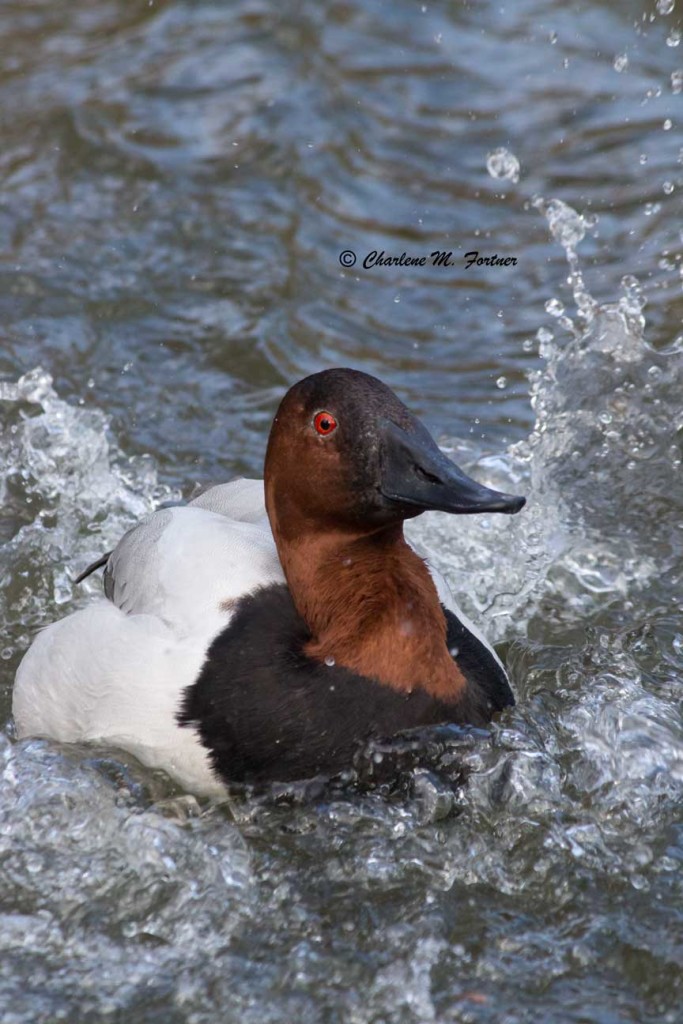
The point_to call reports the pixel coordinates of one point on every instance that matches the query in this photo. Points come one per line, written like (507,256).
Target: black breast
(268,713)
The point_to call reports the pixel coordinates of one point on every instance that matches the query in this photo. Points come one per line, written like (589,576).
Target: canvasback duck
(264,631)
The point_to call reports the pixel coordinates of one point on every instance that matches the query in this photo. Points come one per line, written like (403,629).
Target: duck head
(345,454)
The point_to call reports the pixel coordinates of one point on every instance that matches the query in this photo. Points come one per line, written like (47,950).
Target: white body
(116,671)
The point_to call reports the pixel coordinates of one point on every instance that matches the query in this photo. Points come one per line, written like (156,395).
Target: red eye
(325,423)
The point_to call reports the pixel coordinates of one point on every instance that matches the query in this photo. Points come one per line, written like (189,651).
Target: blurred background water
(178,180)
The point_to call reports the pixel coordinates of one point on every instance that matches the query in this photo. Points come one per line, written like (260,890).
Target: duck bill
(417,475)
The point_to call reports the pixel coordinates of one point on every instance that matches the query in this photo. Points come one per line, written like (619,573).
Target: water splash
(594,751)
(67,496)
(106,875)
(597,464)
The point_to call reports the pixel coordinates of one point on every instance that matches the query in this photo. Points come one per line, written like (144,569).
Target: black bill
(415,472)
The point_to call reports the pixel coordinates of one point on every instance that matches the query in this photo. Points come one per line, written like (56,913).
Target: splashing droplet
(566,225)
(501,383)
(620,62)
(665,7)
(545,338)
(632,302)
(501,163)
(554,307)
(674,37)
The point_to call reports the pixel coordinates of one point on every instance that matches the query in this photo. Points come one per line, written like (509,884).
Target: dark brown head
(346,455)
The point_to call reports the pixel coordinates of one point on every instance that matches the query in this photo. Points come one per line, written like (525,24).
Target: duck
(266,630)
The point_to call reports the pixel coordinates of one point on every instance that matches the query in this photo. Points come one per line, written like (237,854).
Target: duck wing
(242,500)
(189,565)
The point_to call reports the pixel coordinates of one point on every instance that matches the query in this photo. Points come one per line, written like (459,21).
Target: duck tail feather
(93,567)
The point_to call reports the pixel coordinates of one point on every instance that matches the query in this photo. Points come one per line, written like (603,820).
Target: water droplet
(554,307)
(566,225)
(668,124)
(643,158)
(454,651)
(553,38)
(501,163)
(620,62)
(632,301)
(668,187)
(329,661)
(501,383)
(665,7)
(527,345)
(639,882)
(674,37)
(544,335)
(677,82)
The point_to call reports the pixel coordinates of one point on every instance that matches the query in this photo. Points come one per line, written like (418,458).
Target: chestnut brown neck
(371,606)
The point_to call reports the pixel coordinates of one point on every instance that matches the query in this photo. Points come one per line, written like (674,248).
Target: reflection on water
(178,181)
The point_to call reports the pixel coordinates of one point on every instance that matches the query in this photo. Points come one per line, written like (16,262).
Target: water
(178,182)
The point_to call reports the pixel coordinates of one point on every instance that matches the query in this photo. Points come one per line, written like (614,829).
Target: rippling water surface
(177,182)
